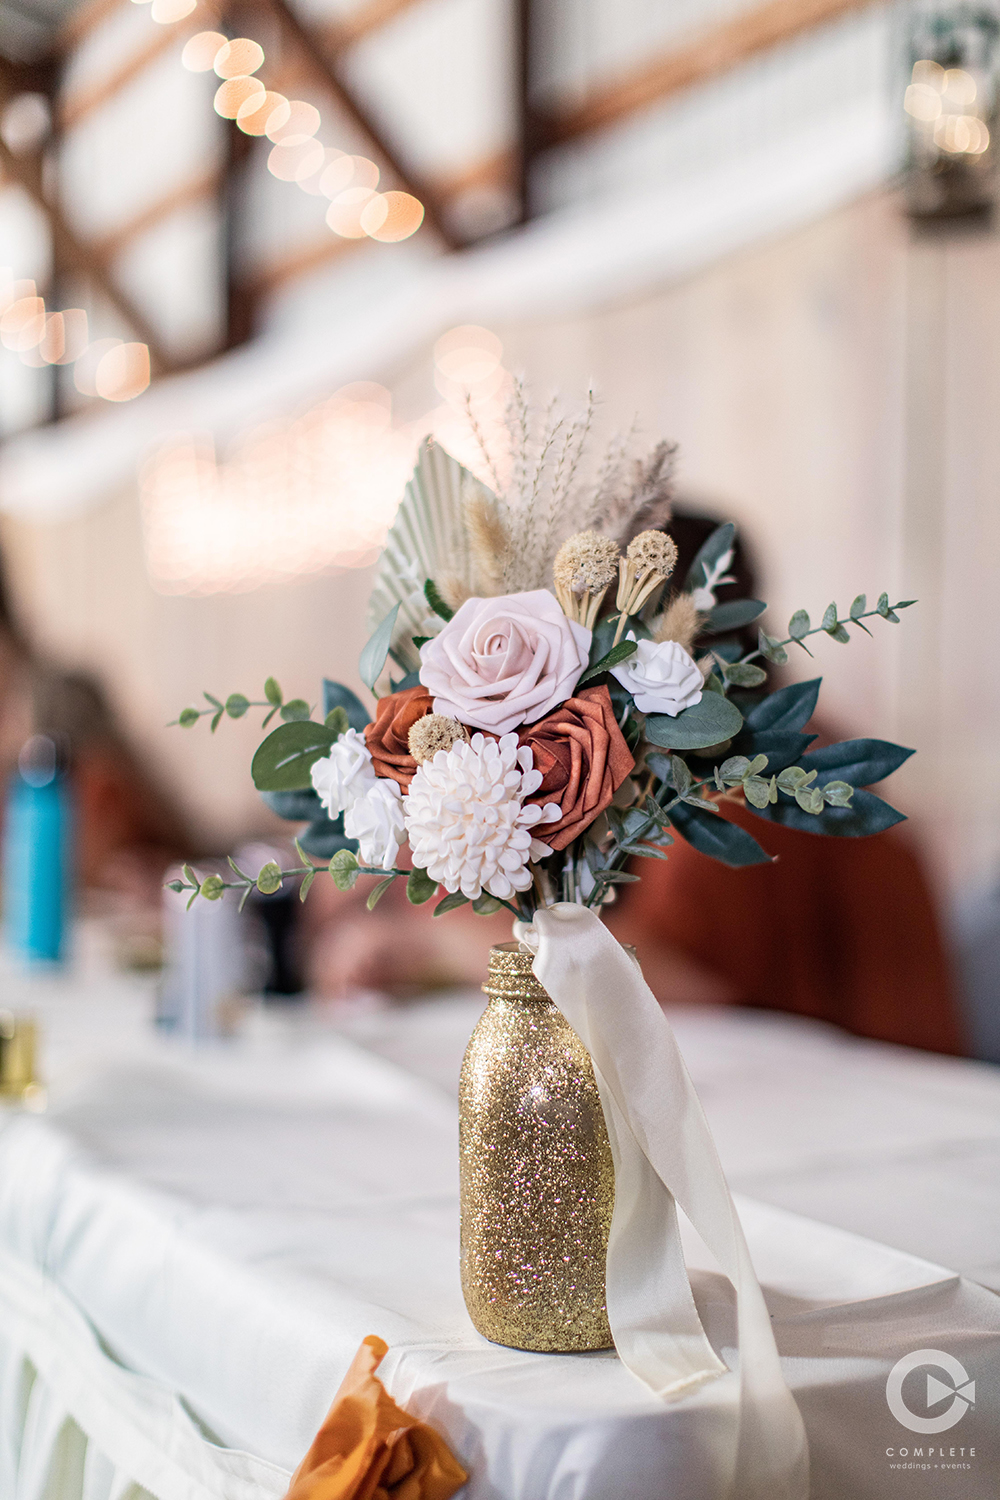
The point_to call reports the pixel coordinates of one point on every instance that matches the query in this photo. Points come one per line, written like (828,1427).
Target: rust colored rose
(583,758)
(387,737)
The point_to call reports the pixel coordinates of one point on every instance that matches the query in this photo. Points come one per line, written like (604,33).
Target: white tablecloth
(192,1245)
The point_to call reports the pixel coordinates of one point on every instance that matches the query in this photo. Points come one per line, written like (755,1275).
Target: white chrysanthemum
(375,819)
(343,775)
(466,821)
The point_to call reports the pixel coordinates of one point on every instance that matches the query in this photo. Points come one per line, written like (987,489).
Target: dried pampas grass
(680,622)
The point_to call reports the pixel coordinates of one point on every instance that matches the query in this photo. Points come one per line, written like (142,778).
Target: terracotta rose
(583,758)
(387,737)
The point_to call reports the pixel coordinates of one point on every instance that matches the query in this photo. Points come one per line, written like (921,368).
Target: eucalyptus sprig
(800,627)
(237,704)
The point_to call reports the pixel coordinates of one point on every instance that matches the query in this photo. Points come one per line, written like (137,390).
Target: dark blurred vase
(537,1179)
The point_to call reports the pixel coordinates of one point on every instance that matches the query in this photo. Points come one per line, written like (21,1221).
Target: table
(193,1243)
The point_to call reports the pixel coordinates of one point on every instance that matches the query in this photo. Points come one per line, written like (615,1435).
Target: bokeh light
(391,217)
(201,50)
(123,372)
(344,214)
(229,96)
(296,160)
(168,11)
(85,370)
(238,58)
(301,120)
(255,113)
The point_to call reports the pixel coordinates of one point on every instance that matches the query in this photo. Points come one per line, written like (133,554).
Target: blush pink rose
(501,663)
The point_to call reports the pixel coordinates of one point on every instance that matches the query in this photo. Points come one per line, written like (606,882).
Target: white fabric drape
(664,1155)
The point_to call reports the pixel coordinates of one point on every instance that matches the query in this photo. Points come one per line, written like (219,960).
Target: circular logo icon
(960,1388)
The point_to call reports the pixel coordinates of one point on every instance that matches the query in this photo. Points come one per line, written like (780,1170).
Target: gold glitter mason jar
(538,1184)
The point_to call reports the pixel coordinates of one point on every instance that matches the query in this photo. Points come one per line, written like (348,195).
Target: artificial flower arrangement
(553,718)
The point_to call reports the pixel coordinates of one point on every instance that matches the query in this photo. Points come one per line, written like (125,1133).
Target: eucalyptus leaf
(809,798)
(295,710)
(789,708)
(837,793)
(733,615)
(432,595)
(344,869)
(379,891)
(337,721)
(883,605)
(867,814)
(830,615)
(709,722)
(734,769)
(237,705)
(799,625)
(373,657)
(858,607)
(272,692)
(450,903)
(757,791)
(307,881)
(284,760)
(486,905)
(680,776)
(420,887)
(335,695)
(187,717)
(745,674)
(718,838)
(839,633)
(771,648)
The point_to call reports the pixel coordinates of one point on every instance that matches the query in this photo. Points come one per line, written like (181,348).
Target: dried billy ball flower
(432,733)
(586,561)
(653,552)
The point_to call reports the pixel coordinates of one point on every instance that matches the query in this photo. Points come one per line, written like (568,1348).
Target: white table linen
(224,1227)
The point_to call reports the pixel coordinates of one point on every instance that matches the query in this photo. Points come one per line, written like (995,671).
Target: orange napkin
(370,1449)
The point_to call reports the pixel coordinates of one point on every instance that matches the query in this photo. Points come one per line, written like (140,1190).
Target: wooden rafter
(194,191)
(76,106)
(324,69)
(26,171)
(707,55)
(359,23)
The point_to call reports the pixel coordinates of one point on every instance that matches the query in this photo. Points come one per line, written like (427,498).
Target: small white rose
(375,819)
(343,775)
(661,676)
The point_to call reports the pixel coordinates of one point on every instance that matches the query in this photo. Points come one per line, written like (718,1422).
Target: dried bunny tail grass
(584,567)
(454,590)
(489,540)
(680,622)
(652,552)
(432,733)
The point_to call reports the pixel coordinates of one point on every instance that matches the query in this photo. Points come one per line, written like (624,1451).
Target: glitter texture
(538,1182)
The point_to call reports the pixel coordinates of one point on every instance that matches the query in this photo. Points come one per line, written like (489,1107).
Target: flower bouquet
(552,703)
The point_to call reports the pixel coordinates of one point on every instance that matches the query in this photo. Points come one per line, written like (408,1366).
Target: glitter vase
(537,1178)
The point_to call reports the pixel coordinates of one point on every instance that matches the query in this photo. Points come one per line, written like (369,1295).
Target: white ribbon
(664,1155)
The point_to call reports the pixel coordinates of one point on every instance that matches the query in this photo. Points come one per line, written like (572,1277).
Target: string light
(41,337)
(291,125)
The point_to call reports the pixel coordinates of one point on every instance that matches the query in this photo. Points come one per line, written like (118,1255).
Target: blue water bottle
(36,854)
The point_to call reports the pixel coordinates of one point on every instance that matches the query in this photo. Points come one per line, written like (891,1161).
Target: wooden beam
(112,243)
(83,20)
(324,69)
(82,102)
(706,56)
(27,172)
(274,274)
(359,23)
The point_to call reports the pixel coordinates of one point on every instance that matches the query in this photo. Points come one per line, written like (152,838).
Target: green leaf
(838,794)
(757,765)
(859,762)
(441,609)
(616,655)
(744,674)
(284,760)
(335,695)
(734,769)
(379,891)
(420,887)
(791,778)
(799,625)
(883,605)
(421,640)
(237,705)
(859,606)
(187,717)
(375,652)
(840,634)
(325,836)
(905,603)
(210,697)
(718,838)
(176,886)
(789,708)
(708,722)
(450,903)
(810,799)
(212,888)
(216,720)
(733,615)
(757,791)
(307,881)
(830,615)
(644,851)
(337,722)
(867,814)
(679,775)
(771,648)
(715,546)
(295,711)
(269,878)
(344,869)
(297,807)
(485,905)
(272,692)
(713,684)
